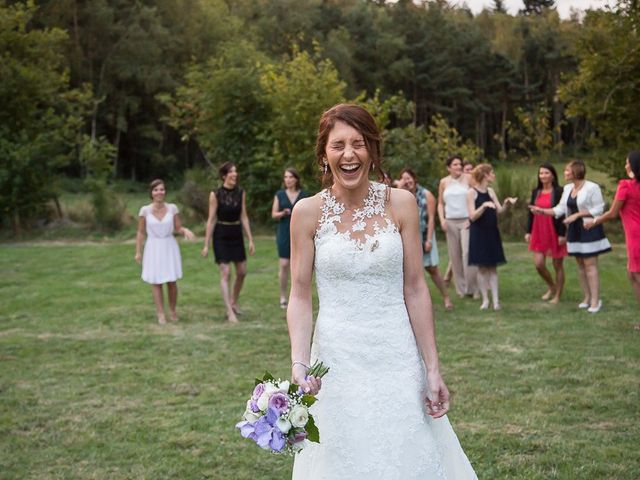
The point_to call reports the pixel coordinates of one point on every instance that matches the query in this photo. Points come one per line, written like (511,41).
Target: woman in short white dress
(161,262)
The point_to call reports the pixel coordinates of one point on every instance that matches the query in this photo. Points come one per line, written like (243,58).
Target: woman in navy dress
(283,203)
(485,244)
(227,219)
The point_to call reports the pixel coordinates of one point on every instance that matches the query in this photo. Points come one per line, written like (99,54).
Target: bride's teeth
(349,168)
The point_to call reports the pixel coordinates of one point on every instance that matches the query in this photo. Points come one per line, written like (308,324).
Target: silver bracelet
(293,364)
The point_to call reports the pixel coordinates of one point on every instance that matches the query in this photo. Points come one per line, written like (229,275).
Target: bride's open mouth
(350,168)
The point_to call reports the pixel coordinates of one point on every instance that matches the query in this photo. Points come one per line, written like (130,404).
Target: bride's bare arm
(299,312)
(418,299)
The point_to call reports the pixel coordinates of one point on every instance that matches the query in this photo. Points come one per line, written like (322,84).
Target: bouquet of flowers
(277,415)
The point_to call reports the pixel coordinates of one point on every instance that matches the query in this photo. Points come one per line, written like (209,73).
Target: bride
(381,408)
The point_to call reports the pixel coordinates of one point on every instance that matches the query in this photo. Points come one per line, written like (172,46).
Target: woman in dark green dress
(283,203)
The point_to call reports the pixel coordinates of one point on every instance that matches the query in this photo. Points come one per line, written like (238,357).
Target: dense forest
(120,89)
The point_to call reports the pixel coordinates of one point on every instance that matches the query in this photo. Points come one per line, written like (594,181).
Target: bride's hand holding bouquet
(309,379)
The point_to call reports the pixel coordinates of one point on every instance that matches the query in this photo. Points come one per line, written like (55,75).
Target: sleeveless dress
(284,224)
(485,244)
(544,238)
(582,242)
(629,193)
(429,259)
(161,262)
(370,411)
(228,242)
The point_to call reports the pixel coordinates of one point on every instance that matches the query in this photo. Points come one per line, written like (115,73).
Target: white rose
(284,386)
(251,417)
(283,425)
(263,401)
(299,416)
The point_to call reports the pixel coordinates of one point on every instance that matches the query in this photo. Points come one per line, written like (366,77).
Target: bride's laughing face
(347,155)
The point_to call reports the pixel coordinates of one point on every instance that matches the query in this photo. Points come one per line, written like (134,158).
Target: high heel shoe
(595,309)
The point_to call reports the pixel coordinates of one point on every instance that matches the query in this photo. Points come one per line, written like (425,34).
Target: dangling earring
(373,167)
(325,167)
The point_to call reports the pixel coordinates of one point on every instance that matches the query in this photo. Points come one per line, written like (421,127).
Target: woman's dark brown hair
(358,118)
(295,175)
(153,185)
(224,169)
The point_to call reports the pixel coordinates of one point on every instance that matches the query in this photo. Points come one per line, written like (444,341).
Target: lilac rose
(259,390)
(279,402)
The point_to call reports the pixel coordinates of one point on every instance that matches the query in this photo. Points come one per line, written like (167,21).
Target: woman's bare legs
(172,289)
(158,299)
(225,276)
(283,277)
(582,278)
(593,279)
(448,274)
(539,259)
(493,285)
(634,278)
(241,272)
(439,282)
(483,285)
(558,266)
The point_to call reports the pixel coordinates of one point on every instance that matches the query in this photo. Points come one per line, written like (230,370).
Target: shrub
(109,210)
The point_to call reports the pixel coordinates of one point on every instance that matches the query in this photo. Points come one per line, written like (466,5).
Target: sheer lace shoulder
(356,225)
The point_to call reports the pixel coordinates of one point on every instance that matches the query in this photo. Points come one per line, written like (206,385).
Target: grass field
(92,388)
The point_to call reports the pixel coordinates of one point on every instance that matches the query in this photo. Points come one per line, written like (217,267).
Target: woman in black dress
(227,218)
(283,203)
(485,244)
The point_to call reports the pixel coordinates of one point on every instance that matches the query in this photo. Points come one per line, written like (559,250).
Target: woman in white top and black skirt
(582,199)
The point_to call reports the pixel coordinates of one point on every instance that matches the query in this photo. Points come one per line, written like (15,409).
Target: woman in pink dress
(546,236)
(627,204)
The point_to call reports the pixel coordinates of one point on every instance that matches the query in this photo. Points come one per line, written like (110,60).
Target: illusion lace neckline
(373,206)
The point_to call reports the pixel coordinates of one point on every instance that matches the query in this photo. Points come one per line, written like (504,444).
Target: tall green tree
(606,88)
(38,117)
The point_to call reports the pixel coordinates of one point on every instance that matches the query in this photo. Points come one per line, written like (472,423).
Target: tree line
(119,89)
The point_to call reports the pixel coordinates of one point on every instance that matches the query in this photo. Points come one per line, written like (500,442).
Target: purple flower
(263,432)
(259,390)
(299,436)
(247,430)
(272,416)
(277,442)
(254,406)
(279,402)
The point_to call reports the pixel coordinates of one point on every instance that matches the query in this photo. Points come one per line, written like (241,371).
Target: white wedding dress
(370,411)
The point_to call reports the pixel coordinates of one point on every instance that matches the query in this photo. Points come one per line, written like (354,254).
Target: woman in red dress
(546,235)
(627,204)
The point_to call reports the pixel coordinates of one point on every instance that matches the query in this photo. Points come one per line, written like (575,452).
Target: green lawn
(92,388)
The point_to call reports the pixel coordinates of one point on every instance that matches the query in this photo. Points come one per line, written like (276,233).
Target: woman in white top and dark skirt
(454,221)
(582,198)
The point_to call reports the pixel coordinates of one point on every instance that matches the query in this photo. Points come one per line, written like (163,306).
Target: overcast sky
(563,6)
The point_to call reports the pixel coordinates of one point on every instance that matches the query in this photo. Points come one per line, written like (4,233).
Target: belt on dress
(228,223)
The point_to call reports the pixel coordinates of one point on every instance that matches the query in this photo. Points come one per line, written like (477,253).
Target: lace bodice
(357,247)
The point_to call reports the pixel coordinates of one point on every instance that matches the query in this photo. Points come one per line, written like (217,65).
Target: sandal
(283,304)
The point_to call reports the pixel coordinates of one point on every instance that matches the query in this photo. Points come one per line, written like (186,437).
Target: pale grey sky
(563,6)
